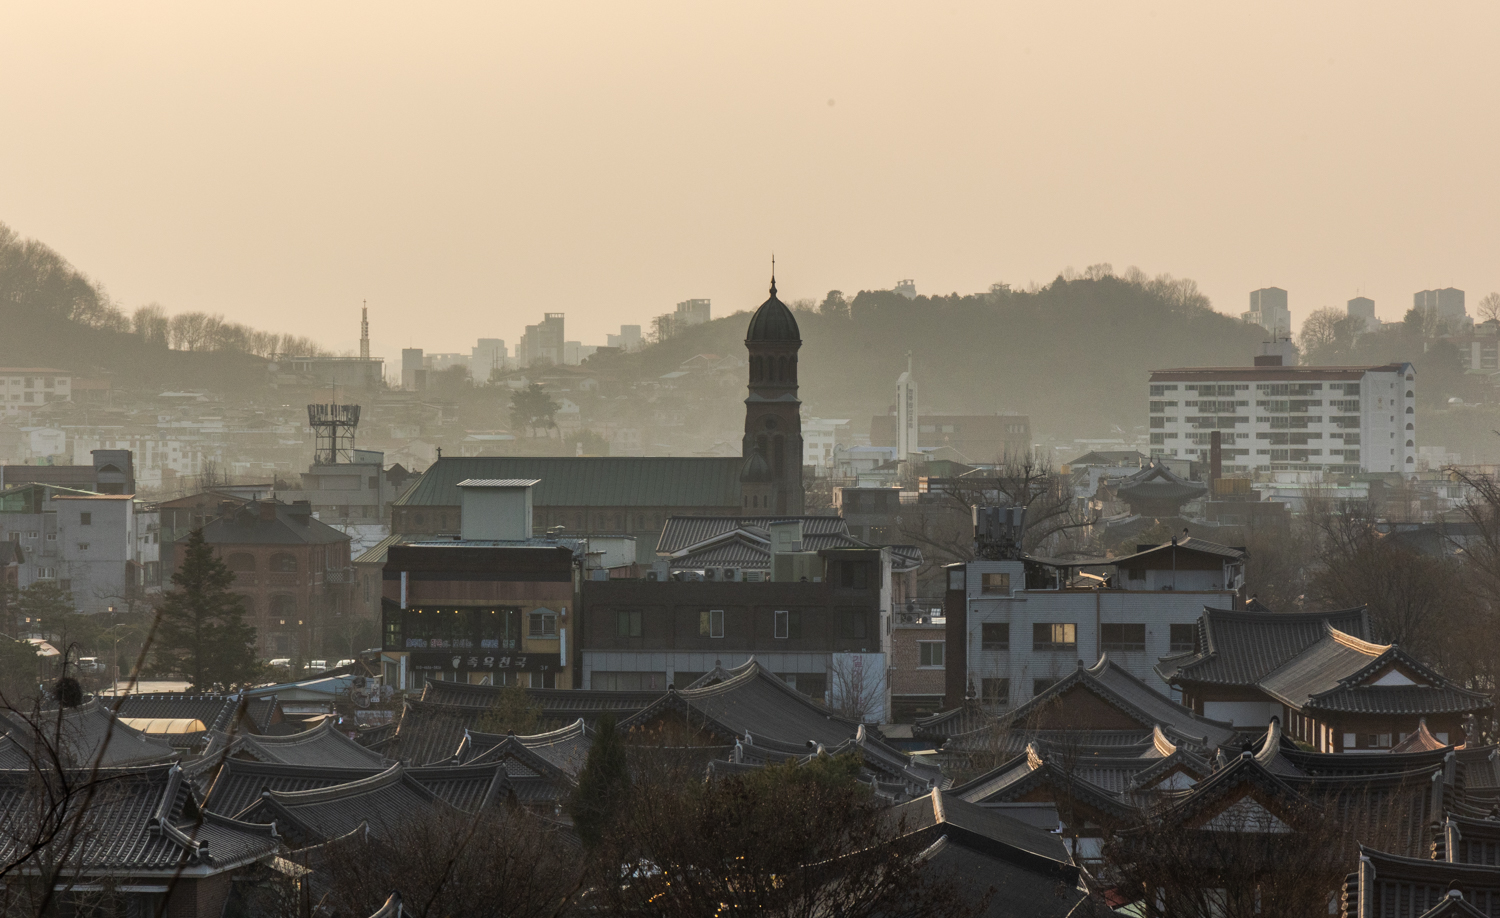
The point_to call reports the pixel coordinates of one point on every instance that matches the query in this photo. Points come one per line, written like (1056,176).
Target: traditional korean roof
(431,733)
(218,712)
(90,734)
(683,532)
(1331,670)
(752,703)
(377,801)
(564,705)
(1125,692)
(1035,770)
(898,775)
(1481,765)
(1198,805)
(1396,886)
(1184,544)
(1157,482)
(144,821)
(1242,647)
(986,829)
(323,745)
(565,749)
(239,782)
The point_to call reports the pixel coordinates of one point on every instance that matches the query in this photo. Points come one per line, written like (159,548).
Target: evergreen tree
(201,631)
(603,785)
(513,712)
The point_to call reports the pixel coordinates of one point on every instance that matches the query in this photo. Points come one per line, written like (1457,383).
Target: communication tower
(333,432)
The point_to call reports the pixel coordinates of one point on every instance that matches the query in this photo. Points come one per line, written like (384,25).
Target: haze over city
(664,460)
(468,167)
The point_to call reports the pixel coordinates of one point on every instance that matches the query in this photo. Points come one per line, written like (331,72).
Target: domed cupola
(773,321)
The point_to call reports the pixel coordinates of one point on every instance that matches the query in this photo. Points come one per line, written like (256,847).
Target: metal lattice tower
(333,432)
(364,332)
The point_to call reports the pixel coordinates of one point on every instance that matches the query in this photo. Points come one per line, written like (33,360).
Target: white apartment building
(27,388)
(1274,418)
(1015,626)
(820,436)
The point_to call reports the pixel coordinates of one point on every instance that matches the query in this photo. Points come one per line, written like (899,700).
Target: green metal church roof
(590,481)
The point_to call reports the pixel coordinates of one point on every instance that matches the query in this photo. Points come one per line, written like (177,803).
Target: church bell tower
(771,480)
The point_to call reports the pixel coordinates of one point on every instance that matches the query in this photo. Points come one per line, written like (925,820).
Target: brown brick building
(294,574)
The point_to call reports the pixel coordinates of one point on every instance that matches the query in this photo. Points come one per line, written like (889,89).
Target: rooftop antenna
(364,330)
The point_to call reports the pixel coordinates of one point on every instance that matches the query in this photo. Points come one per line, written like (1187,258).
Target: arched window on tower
(778,468)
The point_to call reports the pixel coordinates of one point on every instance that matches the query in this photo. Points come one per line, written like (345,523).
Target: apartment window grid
(930,654)
(1276,406)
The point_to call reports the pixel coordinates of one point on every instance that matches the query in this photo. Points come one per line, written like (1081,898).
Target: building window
(956,579)
(284,563)
(711,623)
(994,636)
(1377,740)
(1123,638)
(1039,686)
(930,654)
(85,519)
(855,575)
(1184,638)
(994,692)
(852,624)
(543,625)
(1054,636)
(628,624)
(996,583)
(788,625)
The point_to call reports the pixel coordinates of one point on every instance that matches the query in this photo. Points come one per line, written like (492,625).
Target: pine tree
(201,631)
(602,785)
(513,712)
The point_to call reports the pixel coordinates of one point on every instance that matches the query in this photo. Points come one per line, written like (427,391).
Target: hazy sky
(465,167)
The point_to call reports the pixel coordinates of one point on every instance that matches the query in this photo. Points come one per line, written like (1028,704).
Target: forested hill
(53,315)
(1074,355)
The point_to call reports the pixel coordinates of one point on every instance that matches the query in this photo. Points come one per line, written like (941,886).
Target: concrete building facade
(1342,420)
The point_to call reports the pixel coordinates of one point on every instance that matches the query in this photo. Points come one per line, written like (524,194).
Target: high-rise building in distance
(1268,310)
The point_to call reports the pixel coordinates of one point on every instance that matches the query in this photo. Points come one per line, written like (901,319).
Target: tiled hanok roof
(239,782)
(1240,648)
(1125,692)
(378,801)
(90,735)
(218,713)
(564,705)
(565,749)
(144,821)
(682,532)
(752,702)
(323,745)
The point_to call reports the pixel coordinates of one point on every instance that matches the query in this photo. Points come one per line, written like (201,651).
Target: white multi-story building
(1015,626)
(27,388)
(820,436)
(1275,418)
